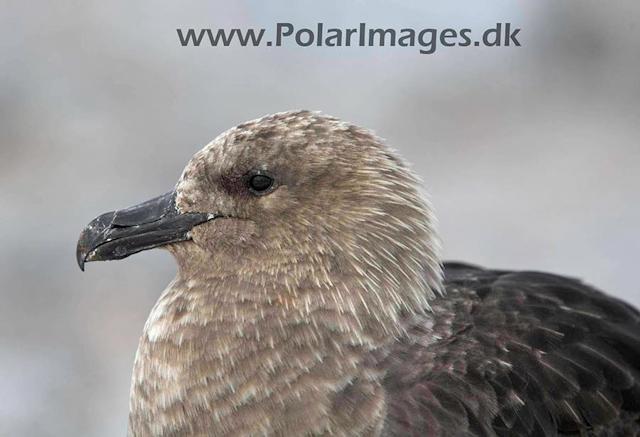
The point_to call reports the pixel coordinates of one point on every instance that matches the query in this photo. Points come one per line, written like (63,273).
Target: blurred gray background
(531,155)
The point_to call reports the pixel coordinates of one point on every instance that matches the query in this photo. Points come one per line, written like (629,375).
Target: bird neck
(284,363)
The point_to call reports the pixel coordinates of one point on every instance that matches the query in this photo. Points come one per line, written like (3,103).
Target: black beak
(118,234)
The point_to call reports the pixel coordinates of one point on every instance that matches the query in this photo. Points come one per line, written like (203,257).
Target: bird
(311,299)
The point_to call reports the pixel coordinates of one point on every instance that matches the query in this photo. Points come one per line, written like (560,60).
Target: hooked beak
(118,234)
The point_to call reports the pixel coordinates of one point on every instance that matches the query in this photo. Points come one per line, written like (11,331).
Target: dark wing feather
(516,354)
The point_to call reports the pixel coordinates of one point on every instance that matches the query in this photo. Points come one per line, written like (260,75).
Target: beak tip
(81,256)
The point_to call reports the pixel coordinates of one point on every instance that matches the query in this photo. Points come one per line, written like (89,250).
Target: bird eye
(260,183)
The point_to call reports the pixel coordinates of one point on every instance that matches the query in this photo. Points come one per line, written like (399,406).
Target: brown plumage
(310,300)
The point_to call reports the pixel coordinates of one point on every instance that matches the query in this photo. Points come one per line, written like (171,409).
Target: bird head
(299,198)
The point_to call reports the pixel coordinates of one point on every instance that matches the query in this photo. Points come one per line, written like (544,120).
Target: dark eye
(260,183)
